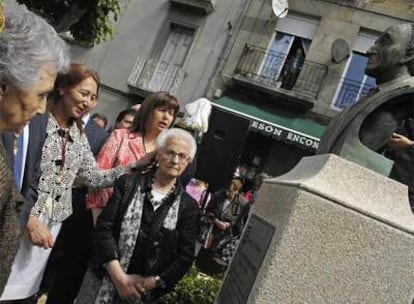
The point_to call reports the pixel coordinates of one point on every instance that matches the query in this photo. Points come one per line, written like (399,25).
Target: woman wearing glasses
(145,237)
(125,146)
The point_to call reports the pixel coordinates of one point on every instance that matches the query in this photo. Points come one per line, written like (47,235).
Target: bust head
(392,55)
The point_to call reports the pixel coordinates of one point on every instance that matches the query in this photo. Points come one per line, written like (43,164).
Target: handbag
(206,236)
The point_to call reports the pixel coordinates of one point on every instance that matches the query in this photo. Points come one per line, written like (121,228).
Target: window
(280,52)
(163,71)
(171,60)
(355,84)
(282,63)
(293,33)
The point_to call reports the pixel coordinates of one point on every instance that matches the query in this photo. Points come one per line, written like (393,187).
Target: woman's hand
(38,233)
(147,161)
(221,224)
(130,286)
(400,142)
(149,283)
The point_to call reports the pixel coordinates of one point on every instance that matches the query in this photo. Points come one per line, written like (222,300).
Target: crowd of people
(97,214)
(87,212)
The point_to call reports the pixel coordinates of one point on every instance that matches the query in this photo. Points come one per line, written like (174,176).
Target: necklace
(155,203)
(64,135)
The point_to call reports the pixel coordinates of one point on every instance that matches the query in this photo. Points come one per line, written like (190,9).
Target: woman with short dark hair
(157,113)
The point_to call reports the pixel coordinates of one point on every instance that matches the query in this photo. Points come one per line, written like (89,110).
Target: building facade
(289,76)
(171,45)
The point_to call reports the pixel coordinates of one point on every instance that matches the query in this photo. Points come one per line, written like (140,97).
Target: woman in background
(124,146)
(31,53)
(123,120)
(228,212)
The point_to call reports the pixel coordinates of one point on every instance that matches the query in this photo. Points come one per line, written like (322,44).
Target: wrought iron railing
(151,75)
(350,92)
(266,67)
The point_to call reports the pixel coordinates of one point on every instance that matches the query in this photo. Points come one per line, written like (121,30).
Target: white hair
(27,43)
(177,133)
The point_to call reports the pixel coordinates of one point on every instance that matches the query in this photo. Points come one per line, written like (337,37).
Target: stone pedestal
(329,231)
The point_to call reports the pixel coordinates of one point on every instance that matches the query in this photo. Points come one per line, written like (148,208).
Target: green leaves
(193,288)
(89,21)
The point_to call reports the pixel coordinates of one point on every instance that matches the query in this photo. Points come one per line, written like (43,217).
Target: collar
(146,183)
(85,119)
(53,127)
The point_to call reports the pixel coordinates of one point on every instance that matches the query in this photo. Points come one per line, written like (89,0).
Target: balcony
(198,6)
(350,91)
(263,70)
(148,76)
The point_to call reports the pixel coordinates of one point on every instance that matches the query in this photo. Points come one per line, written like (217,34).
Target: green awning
(280,125)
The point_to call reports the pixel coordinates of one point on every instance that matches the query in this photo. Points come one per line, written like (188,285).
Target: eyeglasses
(182,157)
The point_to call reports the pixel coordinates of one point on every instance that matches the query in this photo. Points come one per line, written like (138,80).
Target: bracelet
(159,282)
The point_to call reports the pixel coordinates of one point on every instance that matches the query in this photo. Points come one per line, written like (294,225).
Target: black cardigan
(176,247)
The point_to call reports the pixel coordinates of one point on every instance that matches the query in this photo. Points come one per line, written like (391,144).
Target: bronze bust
(362,131)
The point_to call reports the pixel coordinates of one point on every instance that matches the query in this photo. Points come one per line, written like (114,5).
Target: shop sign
(283,134)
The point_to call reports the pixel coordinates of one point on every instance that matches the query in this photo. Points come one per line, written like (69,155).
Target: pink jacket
(122,148)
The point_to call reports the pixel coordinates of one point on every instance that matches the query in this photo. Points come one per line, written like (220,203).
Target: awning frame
(277,131)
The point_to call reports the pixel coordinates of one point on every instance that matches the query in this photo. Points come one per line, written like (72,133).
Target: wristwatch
(159,282)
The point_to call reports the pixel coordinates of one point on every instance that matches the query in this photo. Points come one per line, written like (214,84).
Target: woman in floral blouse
(66,155)
(125,146)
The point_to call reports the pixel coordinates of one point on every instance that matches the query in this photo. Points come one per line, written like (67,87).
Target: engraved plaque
(246,262)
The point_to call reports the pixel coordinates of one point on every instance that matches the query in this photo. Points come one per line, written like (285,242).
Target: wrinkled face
(388,50)
(173,158)
(17,107)
(161,119)
(81,98)
(126,122)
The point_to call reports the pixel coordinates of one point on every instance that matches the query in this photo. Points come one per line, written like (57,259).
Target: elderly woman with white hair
(31,55)
(145,237)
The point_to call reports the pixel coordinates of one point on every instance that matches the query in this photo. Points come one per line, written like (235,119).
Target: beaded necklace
(155,203)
